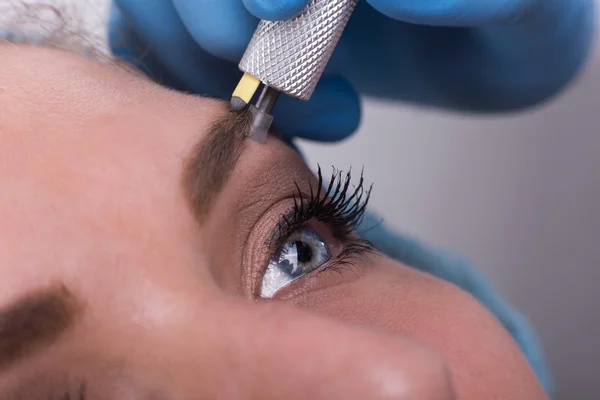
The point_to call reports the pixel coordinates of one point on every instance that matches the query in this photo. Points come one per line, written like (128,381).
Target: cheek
(482,356)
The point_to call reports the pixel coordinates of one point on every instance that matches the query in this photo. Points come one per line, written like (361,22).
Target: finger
(304,356)
(223,28)
(174,52)
(455,12)
(340,57)
(332,114)
(275,10)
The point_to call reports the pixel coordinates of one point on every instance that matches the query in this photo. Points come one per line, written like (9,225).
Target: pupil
(304,252)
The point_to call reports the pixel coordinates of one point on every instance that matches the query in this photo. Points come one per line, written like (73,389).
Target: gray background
(519,195)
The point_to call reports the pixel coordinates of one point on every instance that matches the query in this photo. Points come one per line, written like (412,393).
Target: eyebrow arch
(212,161)
(35,322)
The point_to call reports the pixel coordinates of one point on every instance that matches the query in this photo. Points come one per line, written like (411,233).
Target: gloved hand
(475,55)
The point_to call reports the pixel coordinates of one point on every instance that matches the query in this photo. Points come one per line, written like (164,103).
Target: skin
(91,158)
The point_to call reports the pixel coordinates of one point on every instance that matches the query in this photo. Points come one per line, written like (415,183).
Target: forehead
(89,154)
(36,79)
(60,108)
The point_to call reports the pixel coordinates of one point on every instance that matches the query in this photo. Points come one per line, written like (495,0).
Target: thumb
(333,113)
(275,10)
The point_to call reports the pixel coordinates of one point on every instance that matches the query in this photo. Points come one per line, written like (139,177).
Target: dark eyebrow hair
(35,322)
(213,159)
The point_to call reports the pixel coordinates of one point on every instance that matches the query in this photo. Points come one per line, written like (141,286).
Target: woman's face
(139,231)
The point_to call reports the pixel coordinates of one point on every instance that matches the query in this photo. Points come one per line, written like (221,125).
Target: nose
(274,351)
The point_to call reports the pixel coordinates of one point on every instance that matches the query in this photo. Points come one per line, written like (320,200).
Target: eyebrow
(35,322)
(212,161)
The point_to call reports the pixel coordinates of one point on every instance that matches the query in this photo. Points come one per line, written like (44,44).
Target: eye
(302,252)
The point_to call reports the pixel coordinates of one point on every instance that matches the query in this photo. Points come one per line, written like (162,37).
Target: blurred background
(518,195)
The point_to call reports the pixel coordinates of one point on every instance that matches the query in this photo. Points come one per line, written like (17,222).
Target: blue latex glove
(476,55)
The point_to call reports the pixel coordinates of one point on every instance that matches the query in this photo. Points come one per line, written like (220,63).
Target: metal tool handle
(291,55)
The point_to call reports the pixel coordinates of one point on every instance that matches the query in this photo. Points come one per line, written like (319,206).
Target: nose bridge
(272,351)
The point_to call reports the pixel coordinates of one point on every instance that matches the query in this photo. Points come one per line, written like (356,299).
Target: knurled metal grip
(291,55)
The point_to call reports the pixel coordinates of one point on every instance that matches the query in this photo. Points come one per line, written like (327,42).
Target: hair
(77,26)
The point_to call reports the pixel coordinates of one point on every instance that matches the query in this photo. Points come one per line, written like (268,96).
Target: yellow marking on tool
(246,88)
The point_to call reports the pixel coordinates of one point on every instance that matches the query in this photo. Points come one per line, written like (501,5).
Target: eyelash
(340,207)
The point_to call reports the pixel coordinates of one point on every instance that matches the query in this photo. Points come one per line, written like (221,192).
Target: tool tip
(237,104)
(260,125)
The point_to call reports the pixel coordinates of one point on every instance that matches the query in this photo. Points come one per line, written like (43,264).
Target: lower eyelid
(353,256)
(327,277)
